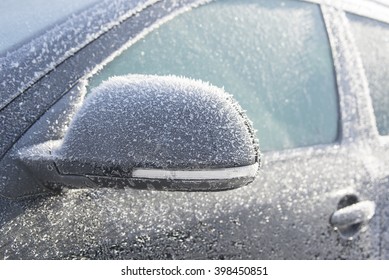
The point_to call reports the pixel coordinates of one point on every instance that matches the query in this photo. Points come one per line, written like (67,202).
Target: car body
(291,211)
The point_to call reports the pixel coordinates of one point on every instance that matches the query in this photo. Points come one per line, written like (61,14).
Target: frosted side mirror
(151,132)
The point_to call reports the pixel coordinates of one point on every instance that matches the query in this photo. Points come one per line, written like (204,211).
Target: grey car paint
(284,214)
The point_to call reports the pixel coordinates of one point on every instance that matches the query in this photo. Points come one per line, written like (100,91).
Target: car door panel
(284,214)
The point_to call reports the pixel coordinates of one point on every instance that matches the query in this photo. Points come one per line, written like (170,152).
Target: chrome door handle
(360,212)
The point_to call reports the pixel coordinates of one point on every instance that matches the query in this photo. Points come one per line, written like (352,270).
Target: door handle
(357,213)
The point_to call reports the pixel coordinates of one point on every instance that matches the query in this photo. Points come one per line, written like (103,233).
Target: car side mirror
(151,132)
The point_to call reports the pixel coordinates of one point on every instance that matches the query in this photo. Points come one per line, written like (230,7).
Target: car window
(20,21)
(273,56)
(372,39)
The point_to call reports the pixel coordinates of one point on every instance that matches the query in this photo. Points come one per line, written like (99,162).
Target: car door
(282,73)
(372,43)
(276,59)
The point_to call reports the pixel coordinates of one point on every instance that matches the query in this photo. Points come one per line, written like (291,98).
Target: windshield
(22,20)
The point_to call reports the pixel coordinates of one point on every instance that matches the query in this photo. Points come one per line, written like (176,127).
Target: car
(129,130)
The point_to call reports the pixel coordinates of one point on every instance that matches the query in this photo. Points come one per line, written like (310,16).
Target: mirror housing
(151,132)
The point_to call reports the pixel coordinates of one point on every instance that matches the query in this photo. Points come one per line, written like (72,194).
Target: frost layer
(158,122)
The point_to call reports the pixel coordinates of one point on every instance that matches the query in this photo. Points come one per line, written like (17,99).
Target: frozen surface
(21,21)
(159,122)
(275,217)
(357,116)
(275,60)
(22,67)
(284,214)
(372,38)
(354,214)
(14,178)
(377,9)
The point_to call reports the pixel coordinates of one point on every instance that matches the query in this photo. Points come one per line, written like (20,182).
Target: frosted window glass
(372,38)
(273,56)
